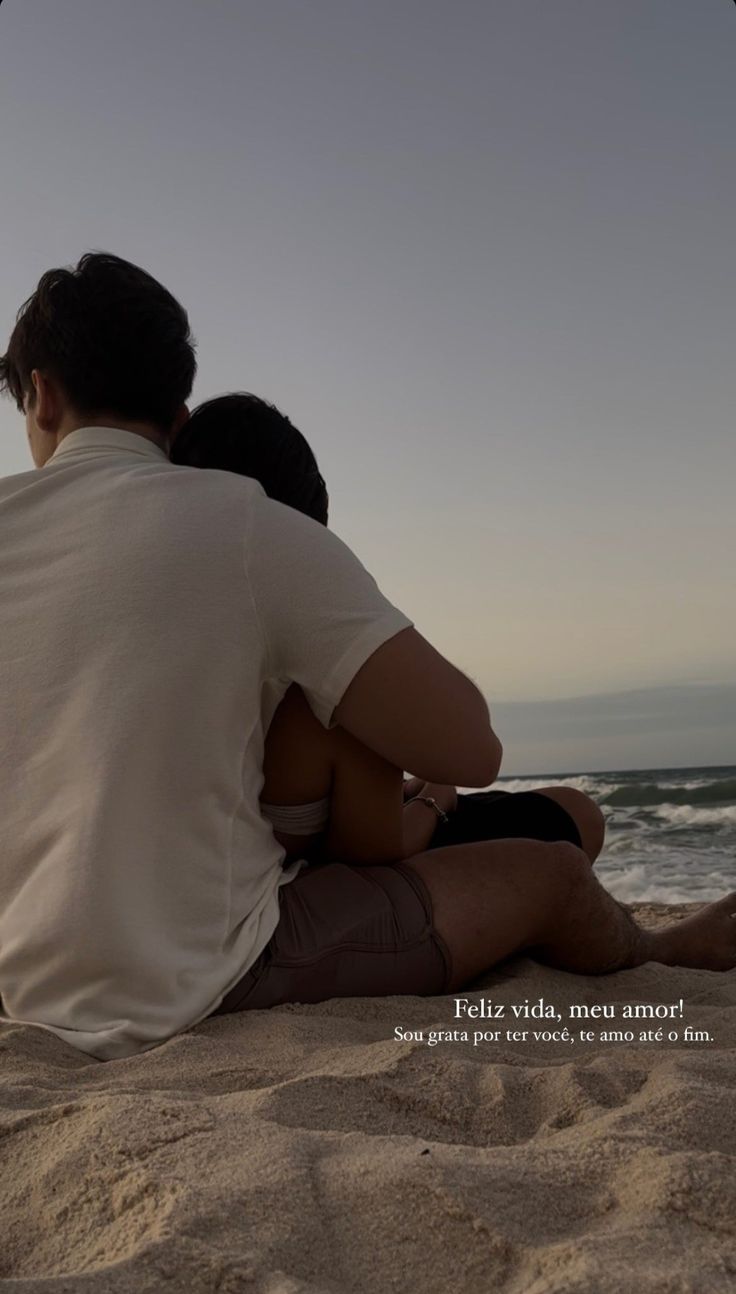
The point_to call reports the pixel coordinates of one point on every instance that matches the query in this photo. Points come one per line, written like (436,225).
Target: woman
(326,795)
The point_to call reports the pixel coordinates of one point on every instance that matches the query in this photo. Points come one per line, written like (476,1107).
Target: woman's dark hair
(240,433)
(113,338)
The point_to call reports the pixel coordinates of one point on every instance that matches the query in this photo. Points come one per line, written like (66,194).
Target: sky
(481,253)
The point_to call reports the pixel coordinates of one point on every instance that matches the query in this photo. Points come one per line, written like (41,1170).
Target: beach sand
(304,1149)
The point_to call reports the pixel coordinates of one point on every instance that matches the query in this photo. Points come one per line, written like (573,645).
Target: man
(143,607)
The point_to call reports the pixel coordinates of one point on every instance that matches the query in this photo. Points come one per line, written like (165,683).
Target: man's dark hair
(241,433)
(113,338)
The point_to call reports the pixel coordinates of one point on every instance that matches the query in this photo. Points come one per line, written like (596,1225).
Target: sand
(305,1149)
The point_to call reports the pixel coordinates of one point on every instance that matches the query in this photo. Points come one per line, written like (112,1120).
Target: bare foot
(706,940)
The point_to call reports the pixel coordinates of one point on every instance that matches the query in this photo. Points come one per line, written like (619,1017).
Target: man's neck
(146,430)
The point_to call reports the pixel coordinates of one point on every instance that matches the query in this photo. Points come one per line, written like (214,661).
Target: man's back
(131,664)
(138,879)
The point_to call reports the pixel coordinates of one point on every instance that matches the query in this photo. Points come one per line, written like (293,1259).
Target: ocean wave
(686,815)
(589,784)
(641,884)
(634,796)
(657,873)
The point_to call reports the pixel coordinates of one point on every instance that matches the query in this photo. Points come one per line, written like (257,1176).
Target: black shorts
(502,815)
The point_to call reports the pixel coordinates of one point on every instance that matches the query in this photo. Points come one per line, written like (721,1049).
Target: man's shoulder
(209,491)
(212,482)
(212,489)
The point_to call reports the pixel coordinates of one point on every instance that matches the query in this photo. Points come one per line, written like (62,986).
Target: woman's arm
(420,819)
(366,804)
(297,763)
(368,820)
(304,762)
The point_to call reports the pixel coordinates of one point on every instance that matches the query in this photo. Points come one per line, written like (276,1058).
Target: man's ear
(46,401)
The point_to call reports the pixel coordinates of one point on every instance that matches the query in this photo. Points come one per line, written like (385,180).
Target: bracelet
(430,800)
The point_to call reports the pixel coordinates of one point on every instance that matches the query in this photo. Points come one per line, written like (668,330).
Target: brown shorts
(347,931)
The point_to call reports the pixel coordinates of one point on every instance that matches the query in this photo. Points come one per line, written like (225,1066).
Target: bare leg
(584,812)
(499,897)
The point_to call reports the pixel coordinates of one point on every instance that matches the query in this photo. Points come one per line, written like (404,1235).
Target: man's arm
(419,712)
(358,659)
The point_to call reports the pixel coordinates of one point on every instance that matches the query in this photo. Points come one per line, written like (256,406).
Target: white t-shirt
(151,618)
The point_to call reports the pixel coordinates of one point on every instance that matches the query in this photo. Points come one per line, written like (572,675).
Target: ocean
(670,832)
